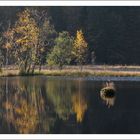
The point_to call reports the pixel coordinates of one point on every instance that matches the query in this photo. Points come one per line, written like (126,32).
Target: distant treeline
(112,33)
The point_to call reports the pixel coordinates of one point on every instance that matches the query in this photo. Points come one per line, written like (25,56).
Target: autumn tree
(26,35)
(8,43)
(80,48)
(61,53)
(1,51)
(47,35)
(1,56)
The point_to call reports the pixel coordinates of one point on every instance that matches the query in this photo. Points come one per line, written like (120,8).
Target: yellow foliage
(80,41)
(8,45)
(80,47)
(9,38)
(26,30)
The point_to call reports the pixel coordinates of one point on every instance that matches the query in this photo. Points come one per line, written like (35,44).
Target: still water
(55,105)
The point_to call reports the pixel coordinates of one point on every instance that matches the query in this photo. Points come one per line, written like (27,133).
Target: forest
(60,36)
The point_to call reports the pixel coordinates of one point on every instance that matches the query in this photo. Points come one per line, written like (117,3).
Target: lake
(62,105)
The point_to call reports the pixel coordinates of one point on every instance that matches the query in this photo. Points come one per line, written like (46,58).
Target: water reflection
(59,94)
(61,105)
(23,106)
(67,98)
(108,101)
(22,116)
(108,94)
(79,104)
(34,105)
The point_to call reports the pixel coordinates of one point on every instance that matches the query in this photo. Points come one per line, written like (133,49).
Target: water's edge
(91,78)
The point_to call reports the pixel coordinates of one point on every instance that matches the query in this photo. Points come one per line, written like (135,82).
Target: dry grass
(9,73)
(76,72)
(90,73)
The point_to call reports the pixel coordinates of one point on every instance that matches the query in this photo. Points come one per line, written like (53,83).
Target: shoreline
(73,73)
(91,78)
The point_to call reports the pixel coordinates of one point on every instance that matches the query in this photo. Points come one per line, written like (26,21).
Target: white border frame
(69,136)
(69,3)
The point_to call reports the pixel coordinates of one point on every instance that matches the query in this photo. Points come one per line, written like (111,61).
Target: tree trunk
(33,68)
(25,65)
(81,67)
(60,67)
(28,70)
(40,68)
(7,57)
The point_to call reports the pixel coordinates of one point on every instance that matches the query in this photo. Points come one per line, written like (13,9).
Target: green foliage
(61,53)
(47,35)
(46,41)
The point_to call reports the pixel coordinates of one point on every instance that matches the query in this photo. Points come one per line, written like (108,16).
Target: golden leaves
(26,30)
(80,41)
(80,47)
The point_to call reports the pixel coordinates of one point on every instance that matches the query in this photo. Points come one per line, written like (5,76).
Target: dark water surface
(61,105)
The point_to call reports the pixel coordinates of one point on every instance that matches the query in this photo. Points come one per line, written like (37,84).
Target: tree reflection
(108,101)
(24,108)
(66,99)
(79,104)
(23,116)
(34,106)
(59,93)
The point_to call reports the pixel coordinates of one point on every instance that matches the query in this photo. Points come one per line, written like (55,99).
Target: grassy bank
(75,72)
(85,73)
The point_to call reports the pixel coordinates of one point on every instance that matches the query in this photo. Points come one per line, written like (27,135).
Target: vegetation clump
(108,90)
(61,53)
(107,94)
